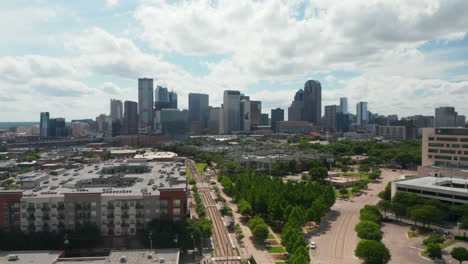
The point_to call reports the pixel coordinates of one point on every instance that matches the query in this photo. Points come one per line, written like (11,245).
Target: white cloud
(112,3)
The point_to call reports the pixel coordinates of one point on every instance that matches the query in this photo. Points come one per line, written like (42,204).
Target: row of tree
(370,249)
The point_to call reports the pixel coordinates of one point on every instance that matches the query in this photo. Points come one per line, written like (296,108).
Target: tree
(293,166)
(369,230)
(372,252)
(433,240)
(387,193)
(260,231)
(318,174)
(244,207)
(364,168)
(434,250)
(385,206)
(371,213)
(279,169)
(460,254)
(398,209)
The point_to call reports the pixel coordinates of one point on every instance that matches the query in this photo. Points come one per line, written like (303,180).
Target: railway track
(224,250)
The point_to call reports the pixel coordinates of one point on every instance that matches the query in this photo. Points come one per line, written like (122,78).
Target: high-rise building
(330,117)
(198,111)
(231,111)
(362,115)
(255,113)
(313,101)
(445,117)
(100,119)
(461,121)
(161,94)
(216,120)
(79,129)
(130,122)
(343,105)
(116,110)
(174,121)
(277,115)
(44,125)
(173,99)
(245,115)
(296,110)
(265,120)
(145,105)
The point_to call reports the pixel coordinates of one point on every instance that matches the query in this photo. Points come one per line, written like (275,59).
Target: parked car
(312,245)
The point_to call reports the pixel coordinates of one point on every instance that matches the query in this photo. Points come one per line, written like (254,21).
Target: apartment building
(120,198)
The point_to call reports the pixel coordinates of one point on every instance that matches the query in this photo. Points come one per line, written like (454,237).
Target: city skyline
(79,62)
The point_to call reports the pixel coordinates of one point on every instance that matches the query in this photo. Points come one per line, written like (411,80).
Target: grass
(201,167)
(276,250)
(410,176)
(270,236)
(449,243)
(190,178)
(412,234)
(281,262)
(356,174)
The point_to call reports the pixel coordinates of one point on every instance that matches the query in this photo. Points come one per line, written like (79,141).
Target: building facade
(330,117)
(277,115)
(231,111)
(313,102)
(445,117)
(296,110)
(145,105)
(392,132)
(362,115)
(198,112)
(44,125)
(445,148)
(344,105)
(130,121)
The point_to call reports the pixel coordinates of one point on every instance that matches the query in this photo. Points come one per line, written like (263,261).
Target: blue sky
(71,57)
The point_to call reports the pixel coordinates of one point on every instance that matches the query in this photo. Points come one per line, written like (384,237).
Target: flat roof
(31,257)
(170,256)
(156,155)
(436,183)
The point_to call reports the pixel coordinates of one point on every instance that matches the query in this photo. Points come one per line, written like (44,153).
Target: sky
(71,57)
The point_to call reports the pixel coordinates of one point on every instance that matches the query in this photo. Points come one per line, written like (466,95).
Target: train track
(224,249)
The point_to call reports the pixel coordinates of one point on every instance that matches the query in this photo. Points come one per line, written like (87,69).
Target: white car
(312,245)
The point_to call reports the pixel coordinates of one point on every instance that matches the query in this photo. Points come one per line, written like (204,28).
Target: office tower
(445,117)
(60,129)
(231,111)
(343,121)
(296,110)
(392,119)
(343,105)
(116,109)
(145,105)
(51,128)
(276,116)
(173,99)
(330,117)
(461,121)
(130,121)
(198,111)
(313,101)
(174,121)
(265,120)
(100,119)
(420,121)
(79,129)
(215,121)
(362,115)
(255,113)
(44,125)
(245,115)
(161,94)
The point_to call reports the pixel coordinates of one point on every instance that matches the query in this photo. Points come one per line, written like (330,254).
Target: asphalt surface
(335,237)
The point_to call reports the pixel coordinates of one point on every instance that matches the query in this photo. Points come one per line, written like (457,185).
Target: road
(335,237)
(224,249)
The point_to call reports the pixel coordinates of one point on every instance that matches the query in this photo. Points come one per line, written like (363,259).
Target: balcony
(125,216)
(124,225)
(125,207)
(45,209)
(110,216)
(139,206)
(61,207)
(31,217)
(30,209)
(110,207)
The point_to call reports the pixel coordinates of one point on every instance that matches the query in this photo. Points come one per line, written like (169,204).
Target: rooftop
(31,257)
(166,256)
(108,179)
(450,185)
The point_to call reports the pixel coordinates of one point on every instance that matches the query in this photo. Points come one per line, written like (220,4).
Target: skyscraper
(313,101)
(461,121)
(344,105)
(60,129)
(445,117)
(130,122)
(265,120)
(276,116)
(245,115)
(255,113)
(44,125)
(173,99)
(161,94)
(296,110)
(362,115)
(116,110)
(330,117)
(198,111)
(145,104)
(231,111)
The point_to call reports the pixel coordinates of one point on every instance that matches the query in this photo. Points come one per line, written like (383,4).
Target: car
(312,245)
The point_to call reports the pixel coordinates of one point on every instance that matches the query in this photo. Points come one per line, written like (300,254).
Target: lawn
(276,250)
(201,168)
(356,174)
(412,234)
(410,176)
(270,236)
(449,243)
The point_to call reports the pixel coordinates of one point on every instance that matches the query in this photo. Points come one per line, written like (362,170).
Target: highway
(224,249)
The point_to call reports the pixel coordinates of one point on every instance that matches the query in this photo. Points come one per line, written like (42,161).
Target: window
(455,145)
(176,211)
(464,146)
(447,151)
(431,138)
(443,157)
(117,204)
(463,159)
(464,139)
(447,139)
(163,203)
(93,203)
(434,150)
(444,195)
(132,203)
(436,145)
(177,203)
(430,156)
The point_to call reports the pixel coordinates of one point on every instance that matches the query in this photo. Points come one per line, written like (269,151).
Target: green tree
(244,207)
(260,231)
(434,250)
(433,239)
(387,193)
(369,230)
(460,254)
(318,174)
(293,166)
(385,206)
(279,169)
(372,252)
